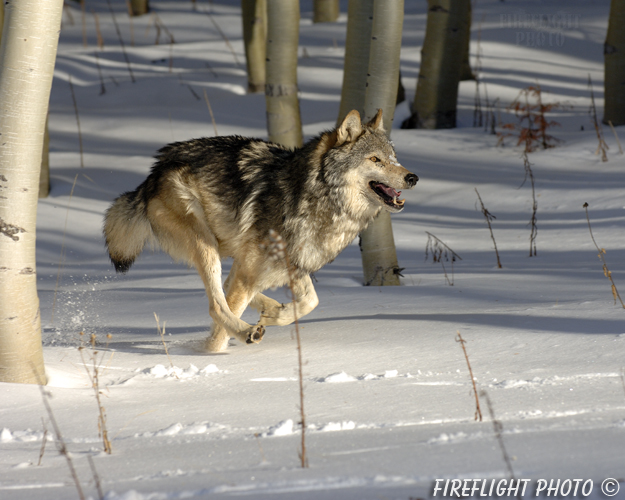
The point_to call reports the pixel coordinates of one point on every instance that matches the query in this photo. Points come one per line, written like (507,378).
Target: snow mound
(284,428)
(161,371)
(454,437)
(337,378)
(335,426)
(184,430)
(27,436)
(134,495)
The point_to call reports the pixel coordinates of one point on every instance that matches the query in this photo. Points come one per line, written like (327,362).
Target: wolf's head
(363,160)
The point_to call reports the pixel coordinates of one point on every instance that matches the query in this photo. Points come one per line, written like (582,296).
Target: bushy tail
(126,229)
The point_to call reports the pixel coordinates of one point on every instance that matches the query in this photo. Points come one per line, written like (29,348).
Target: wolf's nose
(411,180)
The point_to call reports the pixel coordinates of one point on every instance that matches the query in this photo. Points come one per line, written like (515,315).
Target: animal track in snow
(178,429)
(169,372)
(286,428)
(344,377)
(553,380)
(27,436)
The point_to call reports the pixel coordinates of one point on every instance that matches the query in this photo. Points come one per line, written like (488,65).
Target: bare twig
(478,411)
(602,147)
(60,443)
(210,110)
(94,377)
(498,428)
(71,88)
(161,332)
(534,228)
(487,106)
(121,41)
(489,217)
(197,97)
(68,10)
(441,252)
(532,123)
(210,68)
(98,31)
(277,251)
(606,271)
(96,477)
(494,116)
(97,63)
(225,38)
(84,24)
(62,257)
(159,25)
(44,439)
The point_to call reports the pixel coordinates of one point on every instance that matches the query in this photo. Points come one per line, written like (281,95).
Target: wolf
(212,198)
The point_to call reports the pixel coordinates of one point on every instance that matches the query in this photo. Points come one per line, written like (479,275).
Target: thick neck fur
(331,210)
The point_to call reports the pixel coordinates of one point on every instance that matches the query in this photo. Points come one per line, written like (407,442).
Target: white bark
(284,123)
(44,176)
(325,11)
(444,48)
(1,19)
(27,59)
(377,246)
(254,18)
(357,51)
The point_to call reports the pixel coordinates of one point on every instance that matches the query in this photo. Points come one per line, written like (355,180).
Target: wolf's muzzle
(411,180)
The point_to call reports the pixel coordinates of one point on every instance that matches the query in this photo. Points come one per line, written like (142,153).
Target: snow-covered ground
(388,396)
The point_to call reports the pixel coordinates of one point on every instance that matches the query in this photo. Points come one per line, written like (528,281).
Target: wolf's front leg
(238,295)
(274,313)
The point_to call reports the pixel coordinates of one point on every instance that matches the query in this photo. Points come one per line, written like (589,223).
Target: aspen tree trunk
(139,7)
(27,61)
(325,11)
(44,176)
(284,124)
(1,19)
(254,18)
(614,60)
(377,246)
(357,50)
(441,61)
(465,70)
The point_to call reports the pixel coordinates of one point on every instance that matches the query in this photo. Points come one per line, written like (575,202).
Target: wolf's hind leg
(186,236)
(262,303)
(284,314)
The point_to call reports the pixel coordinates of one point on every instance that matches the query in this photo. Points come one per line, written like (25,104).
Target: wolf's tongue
(389,191)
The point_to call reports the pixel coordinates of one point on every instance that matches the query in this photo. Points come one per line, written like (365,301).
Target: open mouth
(388,194)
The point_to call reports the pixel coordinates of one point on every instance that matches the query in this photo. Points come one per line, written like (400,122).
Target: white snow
(389,400)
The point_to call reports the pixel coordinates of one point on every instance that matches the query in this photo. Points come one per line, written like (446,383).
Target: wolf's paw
(254,334)
(217,343)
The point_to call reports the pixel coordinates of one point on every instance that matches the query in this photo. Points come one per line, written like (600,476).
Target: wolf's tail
(126,229)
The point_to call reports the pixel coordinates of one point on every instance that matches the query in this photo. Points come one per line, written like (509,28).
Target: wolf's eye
(374,159)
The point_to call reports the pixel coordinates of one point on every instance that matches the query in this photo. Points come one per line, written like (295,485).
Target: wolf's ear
(350,129)
(376,122)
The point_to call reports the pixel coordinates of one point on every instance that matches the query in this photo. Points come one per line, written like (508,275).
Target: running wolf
(212,198)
